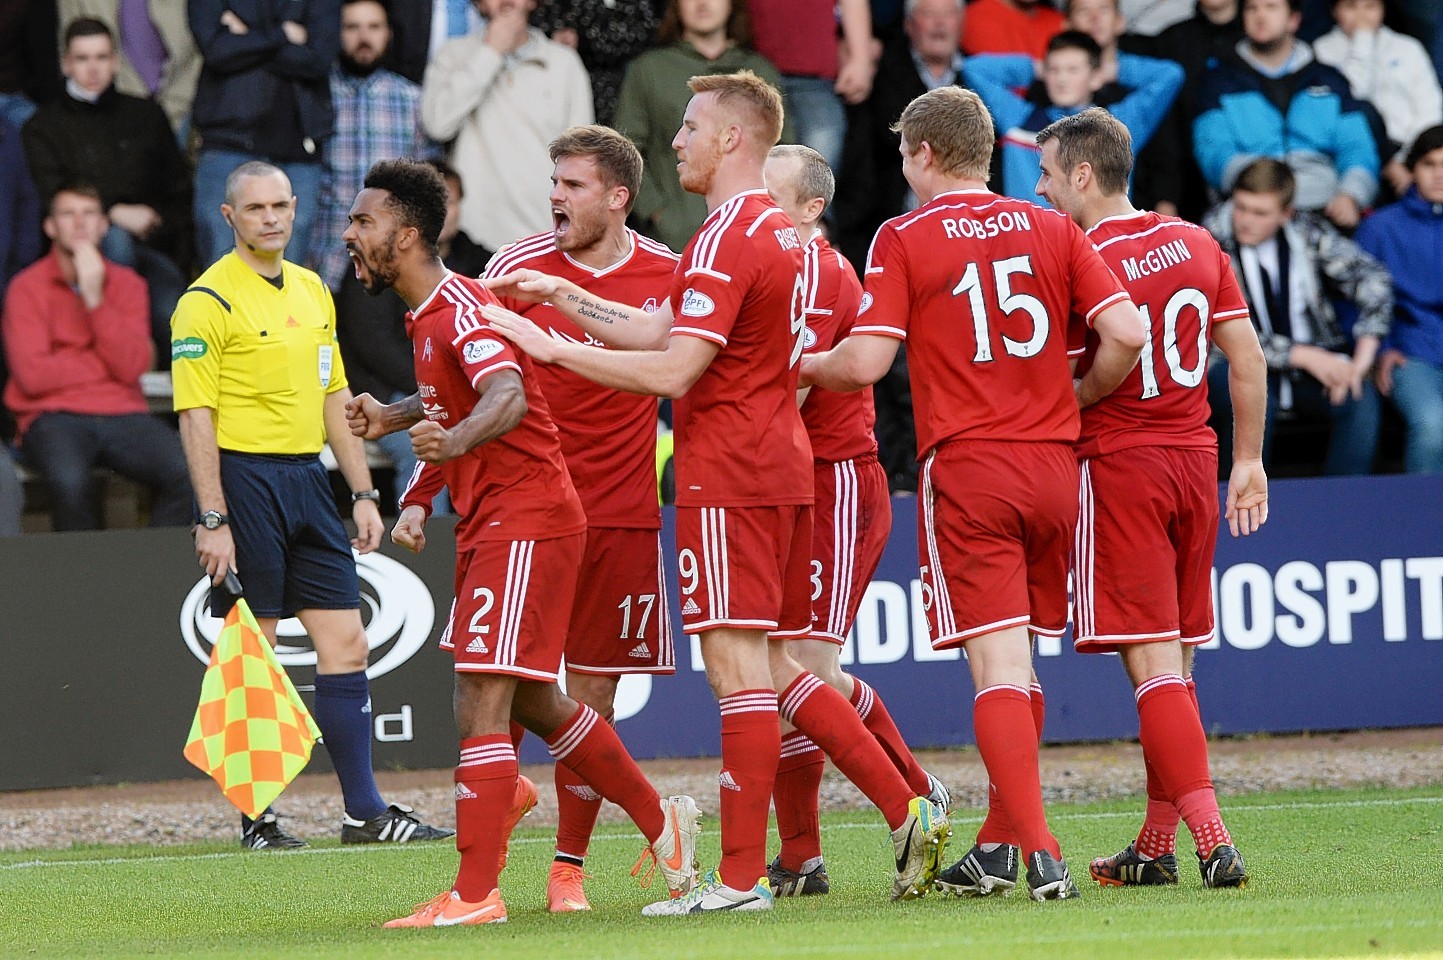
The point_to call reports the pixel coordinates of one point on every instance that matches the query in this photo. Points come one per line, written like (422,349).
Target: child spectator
(1071,75)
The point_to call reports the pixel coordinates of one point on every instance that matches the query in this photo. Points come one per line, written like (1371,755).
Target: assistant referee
(260,388)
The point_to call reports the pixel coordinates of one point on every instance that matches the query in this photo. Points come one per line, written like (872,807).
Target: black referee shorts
(292,552)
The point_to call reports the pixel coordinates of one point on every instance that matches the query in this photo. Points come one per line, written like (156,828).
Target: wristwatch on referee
(213,520)
(358,496)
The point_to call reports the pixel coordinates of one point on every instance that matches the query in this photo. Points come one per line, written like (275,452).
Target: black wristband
(374,495)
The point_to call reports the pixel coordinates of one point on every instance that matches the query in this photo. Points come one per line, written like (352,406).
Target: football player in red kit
(982,288)
(479,414)
(619,623)
(1143,557)
(726,346)
(851,520)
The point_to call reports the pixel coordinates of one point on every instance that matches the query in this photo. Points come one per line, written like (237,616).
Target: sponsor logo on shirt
(809,338)
(191,348)
(865,305)
(651,305)
(696,304)
(426,351)
(478,350)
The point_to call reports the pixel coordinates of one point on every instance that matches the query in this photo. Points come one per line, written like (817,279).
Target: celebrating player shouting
(1142,564)
(982,287)
(851,520)
(479,414)
(619,623)
(726,345)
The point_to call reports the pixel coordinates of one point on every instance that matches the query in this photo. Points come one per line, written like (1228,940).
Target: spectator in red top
(77,337)
(818,72)
(1010,26)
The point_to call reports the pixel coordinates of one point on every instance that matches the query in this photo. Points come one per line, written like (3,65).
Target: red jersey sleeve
(1230,304)
(426,481)
(706,295)
(1094,288)
(480,351)
(886,304)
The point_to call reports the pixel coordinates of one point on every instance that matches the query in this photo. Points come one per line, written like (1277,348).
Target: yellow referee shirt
(262,359)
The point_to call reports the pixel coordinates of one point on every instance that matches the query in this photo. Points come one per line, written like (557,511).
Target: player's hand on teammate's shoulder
(532,286)
(364,413)
(1247,503)
(433,443)
(410,529)
(369,526)
(536,342)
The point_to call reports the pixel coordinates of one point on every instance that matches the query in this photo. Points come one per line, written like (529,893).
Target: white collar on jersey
(958,193)
(1120,217)
(761,191)
(603,271)
(432,295)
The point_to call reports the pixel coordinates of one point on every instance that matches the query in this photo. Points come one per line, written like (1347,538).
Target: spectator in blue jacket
(1071,75)
(1271,98)
(264,94)
(1408,237)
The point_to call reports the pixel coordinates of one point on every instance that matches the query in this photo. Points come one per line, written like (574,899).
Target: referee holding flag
(260,388)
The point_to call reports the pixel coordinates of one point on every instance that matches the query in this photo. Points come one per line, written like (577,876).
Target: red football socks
(829,721)
(1174,743)
(1007,739)
(485,783)
(590,747)
(795,796)
(873,711)
(577,807)
(997,828)
(751,743)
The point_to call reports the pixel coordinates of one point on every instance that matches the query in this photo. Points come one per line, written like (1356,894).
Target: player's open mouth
(560,222)
(356,261)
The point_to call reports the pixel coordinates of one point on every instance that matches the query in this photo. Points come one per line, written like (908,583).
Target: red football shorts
(995,525)
(746,568)
(620,622)
(512,606)
(853,516)
(1143,556)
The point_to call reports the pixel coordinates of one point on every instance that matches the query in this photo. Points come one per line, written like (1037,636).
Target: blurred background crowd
(1306,135)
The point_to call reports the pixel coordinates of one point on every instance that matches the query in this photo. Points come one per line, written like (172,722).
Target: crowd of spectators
(1305,134)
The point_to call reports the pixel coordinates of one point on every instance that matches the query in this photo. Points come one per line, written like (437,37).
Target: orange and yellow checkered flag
(251,732)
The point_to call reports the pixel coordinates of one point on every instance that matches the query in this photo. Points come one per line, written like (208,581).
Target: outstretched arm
(615,324)
(857,362)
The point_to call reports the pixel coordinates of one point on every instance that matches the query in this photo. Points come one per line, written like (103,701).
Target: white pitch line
(1232,808)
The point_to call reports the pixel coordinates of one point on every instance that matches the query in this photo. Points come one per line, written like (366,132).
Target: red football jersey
(516,486)
(838,424)
(740,439)
(983,289)
(608,436)
(1183,283)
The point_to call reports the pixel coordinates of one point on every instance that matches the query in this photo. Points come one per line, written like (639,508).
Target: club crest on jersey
(478,350)
(809,338)
(696,304)
(865,305)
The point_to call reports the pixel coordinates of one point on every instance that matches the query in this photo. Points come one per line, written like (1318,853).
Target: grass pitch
(1335,874)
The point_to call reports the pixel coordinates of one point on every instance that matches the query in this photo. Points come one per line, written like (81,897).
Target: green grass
(1336,874)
